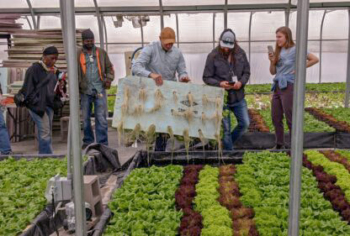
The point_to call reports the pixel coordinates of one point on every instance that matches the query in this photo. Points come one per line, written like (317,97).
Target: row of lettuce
(246,199)
(22,191)
(327,121)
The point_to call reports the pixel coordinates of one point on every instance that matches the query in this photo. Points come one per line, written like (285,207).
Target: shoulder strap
(37,89)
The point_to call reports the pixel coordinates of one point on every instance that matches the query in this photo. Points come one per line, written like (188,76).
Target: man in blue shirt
(160,61)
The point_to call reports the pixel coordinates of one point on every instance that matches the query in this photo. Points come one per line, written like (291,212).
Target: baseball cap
(167,35)
(227,40)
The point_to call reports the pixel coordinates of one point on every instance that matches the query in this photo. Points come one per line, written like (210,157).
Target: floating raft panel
(166,116)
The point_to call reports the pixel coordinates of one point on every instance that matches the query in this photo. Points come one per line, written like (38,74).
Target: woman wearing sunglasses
(227,67)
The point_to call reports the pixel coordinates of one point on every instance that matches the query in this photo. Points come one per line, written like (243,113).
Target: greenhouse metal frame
(68,13)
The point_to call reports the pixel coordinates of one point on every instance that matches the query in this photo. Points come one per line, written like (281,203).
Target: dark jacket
(107,71)
(38,88)
(217,69)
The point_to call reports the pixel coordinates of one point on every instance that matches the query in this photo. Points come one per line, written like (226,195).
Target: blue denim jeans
(44,126)
(101,125)
(240,110)
(5,147)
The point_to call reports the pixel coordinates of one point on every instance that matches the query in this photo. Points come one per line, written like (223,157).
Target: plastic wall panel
(196,27)
(13,4)
(125,3)
(219,25)
(315,18)
(125,34)
(151,31)
(192,2)
(170,21)
(336,25)
(48,3)
(88,22)
(239,23)
(257,1)
(264,24)
(50,22)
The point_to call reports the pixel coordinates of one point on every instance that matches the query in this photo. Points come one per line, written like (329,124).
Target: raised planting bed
(317,133)
(330,119)
(341,114)
(264,183)
(257,122)
(228,199)
(23,180)
(22,190)
(320,100)
(310,87)
(311,124)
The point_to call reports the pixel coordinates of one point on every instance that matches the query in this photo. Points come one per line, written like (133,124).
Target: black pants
(161,142)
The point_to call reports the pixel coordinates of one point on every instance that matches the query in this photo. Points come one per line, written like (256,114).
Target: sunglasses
(227,42)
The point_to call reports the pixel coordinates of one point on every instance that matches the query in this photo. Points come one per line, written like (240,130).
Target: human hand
(225,85)
(237,85)
(271,57)
(107,84)
(185,79)
(157,78)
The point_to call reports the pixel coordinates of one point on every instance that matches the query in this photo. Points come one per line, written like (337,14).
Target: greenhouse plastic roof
(138,3)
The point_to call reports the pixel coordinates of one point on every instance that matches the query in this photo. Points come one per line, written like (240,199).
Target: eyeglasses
(228,42)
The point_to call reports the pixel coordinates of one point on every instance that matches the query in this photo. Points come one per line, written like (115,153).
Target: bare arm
(311,60)
(272,65)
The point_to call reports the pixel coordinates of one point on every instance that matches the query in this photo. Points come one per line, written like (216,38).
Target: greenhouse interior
(174,117)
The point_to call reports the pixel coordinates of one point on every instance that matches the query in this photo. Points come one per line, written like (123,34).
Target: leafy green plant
(264,184)
(310,87)
(22,190)
(311,124)
(216,218)
(111,98)
(321,100)
(344,153)
(341,114)
(327,100)
(145,204)
(332,168)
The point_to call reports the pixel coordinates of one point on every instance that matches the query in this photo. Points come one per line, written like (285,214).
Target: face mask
(88,46)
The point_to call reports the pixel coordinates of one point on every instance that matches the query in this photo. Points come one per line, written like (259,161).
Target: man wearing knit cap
(160,60)
(95,75)
(39,94)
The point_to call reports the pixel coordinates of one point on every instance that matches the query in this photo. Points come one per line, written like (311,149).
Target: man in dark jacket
(38,89)
(227,67)
(95,74)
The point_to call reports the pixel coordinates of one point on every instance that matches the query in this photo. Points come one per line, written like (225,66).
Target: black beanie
(49,50)
(87,34)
